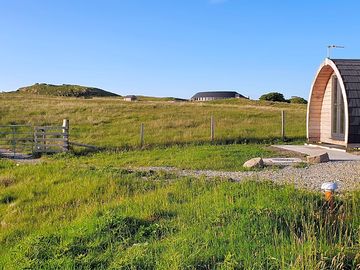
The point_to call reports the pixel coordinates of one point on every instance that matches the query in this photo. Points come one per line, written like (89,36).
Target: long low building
(212,95)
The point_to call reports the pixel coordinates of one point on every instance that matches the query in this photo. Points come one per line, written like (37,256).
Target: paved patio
(334,154)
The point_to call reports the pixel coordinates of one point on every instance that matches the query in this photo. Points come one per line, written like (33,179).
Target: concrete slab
(281,161)
(334,154)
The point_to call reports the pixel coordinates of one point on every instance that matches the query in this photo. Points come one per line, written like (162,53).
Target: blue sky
(174,47)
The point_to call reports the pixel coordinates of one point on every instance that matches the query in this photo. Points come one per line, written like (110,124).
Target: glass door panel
(337,111)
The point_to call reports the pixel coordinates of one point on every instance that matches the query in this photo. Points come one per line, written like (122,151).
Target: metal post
(212,128)
(142,134)
(283,125)
(36,147)
(65,131)
(44,148)
(13,141)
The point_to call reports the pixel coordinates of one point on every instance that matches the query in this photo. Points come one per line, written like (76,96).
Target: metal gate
(16,140)
(22,141)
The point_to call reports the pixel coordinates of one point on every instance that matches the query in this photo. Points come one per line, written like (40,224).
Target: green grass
(85,212)
(199,157)
(113,123)
(67,214)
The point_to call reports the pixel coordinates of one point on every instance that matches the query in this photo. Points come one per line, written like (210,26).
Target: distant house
(130,98)
(333,113)
(212,95)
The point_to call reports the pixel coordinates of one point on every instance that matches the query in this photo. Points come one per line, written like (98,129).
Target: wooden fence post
(142,134)
(212,128)
(65,131)
(283,125)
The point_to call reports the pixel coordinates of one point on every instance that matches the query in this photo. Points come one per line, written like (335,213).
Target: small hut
(333,112)
(130,98)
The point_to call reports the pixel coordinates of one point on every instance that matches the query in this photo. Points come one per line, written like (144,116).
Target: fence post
(36,147)
(65,131)
(142,134)
(43,133)
(212,128)
(13,141)
(283,125)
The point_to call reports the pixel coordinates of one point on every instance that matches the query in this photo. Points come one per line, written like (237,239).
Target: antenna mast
(329,47)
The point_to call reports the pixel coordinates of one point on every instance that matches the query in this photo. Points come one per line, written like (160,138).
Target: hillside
(115,123)
(65,90)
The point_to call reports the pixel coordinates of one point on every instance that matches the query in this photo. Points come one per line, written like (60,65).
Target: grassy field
(75,211)
(113,123)
(67,214)
(199,157)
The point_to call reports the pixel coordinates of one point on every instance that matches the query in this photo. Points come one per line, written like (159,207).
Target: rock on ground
(254,163)
(321,158)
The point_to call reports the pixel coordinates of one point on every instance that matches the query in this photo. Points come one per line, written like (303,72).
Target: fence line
(54,139)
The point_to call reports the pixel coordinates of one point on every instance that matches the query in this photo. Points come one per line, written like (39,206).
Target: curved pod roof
(348,74)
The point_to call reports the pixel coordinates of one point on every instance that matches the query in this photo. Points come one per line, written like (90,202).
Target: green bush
(298,100)
(273,96)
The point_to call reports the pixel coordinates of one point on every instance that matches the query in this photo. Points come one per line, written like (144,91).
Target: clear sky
(174,47)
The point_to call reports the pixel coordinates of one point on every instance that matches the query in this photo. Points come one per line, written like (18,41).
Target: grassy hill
(112,122)
(65,90)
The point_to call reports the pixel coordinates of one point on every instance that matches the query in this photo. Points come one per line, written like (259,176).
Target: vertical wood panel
(316,102)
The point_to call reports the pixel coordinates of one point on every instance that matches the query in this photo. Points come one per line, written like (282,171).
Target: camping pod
(333,112)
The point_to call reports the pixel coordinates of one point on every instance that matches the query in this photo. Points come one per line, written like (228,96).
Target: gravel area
(345,173)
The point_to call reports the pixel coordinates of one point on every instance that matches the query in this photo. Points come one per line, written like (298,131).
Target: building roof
(218,94)
(350,72)
(130,96)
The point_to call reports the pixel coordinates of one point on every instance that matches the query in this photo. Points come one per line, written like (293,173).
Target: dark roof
(218,94)
(350,72)
(130,96)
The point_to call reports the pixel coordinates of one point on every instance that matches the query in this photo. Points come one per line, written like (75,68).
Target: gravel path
(345,173)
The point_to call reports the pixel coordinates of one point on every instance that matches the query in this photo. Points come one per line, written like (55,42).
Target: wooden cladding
(316,102)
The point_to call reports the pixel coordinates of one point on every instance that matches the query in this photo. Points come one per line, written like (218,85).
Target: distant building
(130,98)
(212,95)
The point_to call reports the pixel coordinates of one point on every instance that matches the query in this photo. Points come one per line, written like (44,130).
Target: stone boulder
(254,163)
(321,158)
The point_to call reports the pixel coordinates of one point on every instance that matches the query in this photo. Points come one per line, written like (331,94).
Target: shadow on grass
(88,247)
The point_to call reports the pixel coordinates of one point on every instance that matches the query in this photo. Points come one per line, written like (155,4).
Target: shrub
(273,96)
(298,100)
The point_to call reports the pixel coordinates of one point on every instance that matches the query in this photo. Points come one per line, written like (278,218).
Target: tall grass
(62,215)
(112,122)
